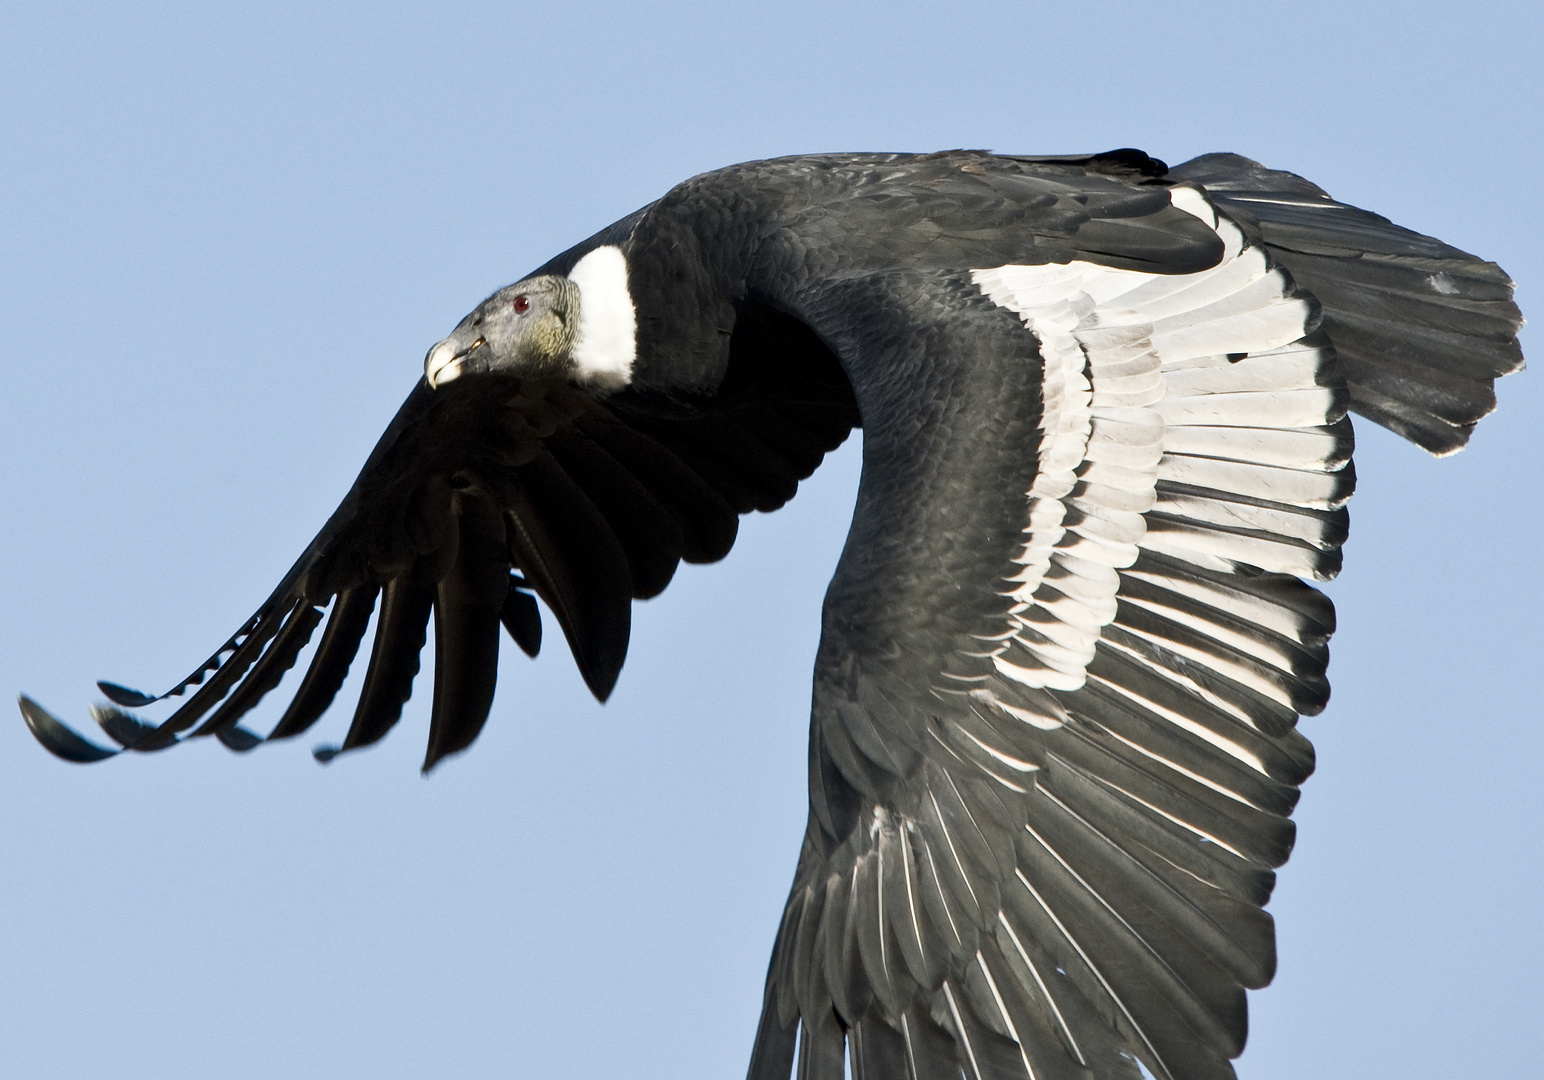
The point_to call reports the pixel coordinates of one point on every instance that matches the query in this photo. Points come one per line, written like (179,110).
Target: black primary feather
(521,617)
(346,625)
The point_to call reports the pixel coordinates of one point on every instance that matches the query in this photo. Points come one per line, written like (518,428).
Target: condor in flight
(1054,750)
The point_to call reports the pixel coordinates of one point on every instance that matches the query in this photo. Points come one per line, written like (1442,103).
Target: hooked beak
(445,363)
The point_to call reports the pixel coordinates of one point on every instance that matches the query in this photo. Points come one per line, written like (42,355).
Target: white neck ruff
(607,339)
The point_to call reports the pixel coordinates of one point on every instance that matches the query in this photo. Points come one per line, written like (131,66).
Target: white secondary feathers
(607,341)
(1199,380)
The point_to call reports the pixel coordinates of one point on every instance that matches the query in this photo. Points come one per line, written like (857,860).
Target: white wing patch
(1193,454)
(1183,415)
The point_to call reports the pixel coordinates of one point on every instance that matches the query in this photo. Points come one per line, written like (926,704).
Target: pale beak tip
(441,365)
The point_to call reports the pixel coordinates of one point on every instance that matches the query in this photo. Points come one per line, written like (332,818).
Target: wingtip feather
(238,739)
(123,695)
(57,738)
(126,730)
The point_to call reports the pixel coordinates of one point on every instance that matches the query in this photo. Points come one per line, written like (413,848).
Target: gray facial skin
(527,328)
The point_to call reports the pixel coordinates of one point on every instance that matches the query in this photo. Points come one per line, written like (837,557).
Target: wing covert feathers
(1158,393)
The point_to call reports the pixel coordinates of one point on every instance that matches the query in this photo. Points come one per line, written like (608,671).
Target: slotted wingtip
(57,738)
(325,752)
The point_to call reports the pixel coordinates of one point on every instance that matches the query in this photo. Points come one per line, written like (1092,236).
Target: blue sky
(227,237)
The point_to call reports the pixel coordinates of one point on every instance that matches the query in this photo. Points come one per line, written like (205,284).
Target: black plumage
(1053,750)
(1422,330)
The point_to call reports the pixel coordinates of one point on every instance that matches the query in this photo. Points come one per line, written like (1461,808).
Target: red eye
(521,304)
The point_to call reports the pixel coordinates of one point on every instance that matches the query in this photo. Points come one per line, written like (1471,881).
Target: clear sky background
(228,236)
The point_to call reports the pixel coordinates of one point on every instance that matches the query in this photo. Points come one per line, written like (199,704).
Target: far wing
(479,495)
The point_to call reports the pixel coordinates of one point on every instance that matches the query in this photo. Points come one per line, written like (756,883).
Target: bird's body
(1053,753)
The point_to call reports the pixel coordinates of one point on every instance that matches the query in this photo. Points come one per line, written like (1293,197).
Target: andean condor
(1053,752)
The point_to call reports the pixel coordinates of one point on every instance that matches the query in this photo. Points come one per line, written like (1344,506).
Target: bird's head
(528,328)
(581,327)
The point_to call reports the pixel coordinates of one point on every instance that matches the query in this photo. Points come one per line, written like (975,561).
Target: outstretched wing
(1053,752)
(480,494)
